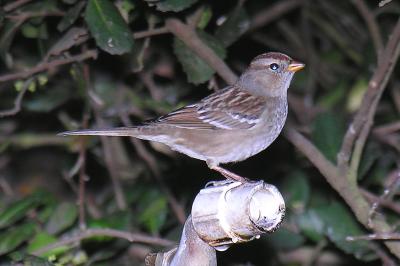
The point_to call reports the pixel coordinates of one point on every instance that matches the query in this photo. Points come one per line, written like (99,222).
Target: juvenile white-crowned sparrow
(229,125)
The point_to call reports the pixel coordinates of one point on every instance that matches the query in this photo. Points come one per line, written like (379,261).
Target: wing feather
(230,108)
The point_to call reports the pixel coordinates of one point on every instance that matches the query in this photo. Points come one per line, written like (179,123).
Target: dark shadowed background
(71,64)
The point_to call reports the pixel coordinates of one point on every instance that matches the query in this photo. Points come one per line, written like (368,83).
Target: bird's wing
(230,108)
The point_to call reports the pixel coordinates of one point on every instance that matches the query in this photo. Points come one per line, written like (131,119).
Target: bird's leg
(227,174)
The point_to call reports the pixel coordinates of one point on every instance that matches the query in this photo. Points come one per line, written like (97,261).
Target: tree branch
(88,233)
(45,66)
(371,24)
(371,98)
(190,38)
(18,100)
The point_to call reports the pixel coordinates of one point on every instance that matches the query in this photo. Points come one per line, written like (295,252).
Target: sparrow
(231,124)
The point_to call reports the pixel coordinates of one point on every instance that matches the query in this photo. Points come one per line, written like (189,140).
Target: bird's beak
(295,66)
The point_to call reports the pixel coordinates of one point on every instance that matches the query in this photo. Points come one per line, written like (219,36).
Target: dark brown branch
(347,190)
(371,98)
(371,24)
(45,66)
(189,37)
(88,233)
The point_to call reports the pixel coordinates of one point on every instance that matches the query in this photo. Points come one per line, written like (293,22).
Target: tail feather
(117,132)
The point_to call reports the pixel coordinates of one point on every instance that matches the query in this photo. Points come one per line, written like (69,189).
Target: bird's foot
(229,175)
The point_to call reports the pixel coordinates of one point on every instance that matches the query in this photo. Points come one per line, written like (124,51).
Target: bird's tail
(117,132)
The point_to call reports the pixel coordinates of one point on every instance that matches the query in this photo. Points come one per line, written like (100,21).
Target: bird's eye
(274,66)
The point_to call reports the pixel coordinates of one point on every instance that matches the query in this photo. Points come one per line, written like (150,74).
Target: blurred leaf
(154,210)
(63,217)
(30,31)
(334,96)
(48,99)
(18,210)
(71,16)
(236,23)
(171,5)
(28,260)
(371,153)
(328,131)
(340,223)
(285,239)
(356,94)
(296,190)
(108,28)
(43,239)
(205,17)
(311,225)
(197,70)
(11,239)
(118,220)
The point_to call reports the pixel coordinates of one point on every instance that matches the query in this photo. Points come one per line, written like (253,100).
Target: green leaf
(19,258)
(370,155)
(196,69)
(48,100)
(234,26)
(11,239)
(42,240)
(334,96)
(172,5)
(71,16)
(285,239)
(108,27)
(296,190)
(118,220)
(63,217)
(17,210)
(154,212)
(356,94)
(328,131)
(340,223)
(311,225)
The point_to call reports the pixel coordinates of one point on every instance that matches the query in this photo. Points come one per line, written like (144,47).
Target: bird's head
(269,74)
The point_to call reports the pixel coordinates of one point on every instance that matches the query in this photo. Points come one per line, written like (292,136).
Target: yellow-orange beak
(296,66)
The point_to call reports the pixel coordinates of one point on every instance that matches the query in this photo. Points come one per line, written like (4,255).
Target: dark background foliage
(71,64)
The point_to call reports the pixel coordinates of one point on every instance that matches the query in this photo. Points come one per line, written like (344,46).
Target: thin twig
(89,233)
(45,66)
(381,201)
(28,15)
(15,4)
(18,100)
(371,24)
(377,236)
(151,32)
(368,106)
(107,148)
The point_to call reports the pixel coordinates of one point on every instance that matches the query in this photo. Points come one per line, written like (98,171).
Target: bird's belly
(247,147)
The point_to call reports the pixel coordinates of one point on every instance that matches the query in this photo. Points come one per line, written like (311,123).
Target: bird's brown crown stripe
(274,55)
